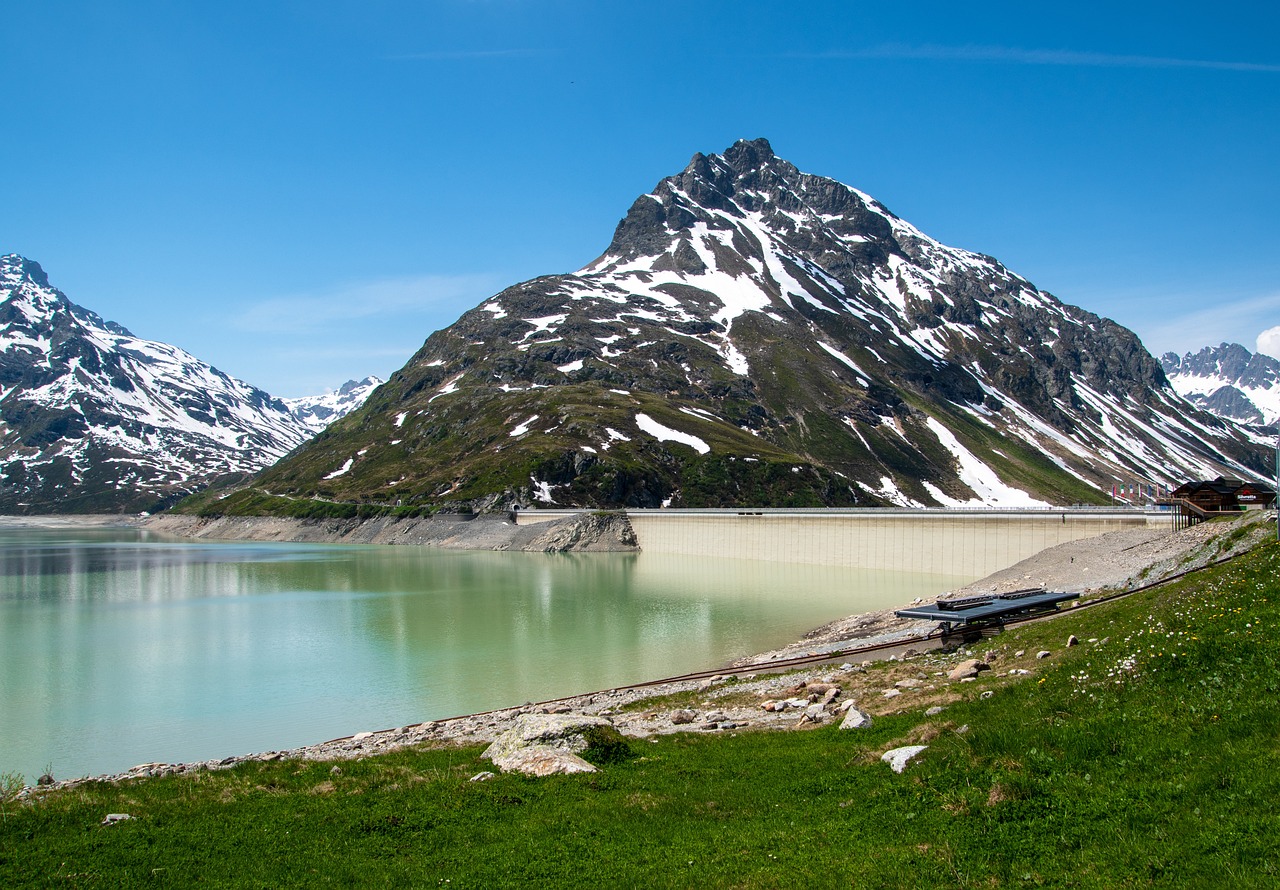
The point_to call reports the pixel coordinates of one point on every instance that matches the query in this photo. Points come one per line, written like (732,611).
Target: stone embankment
(583,532)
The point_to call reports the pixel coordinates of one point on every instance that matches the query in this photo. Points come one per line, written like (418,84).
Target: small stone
(816,712)
(361,736)
(968,679)
(482,777)
(1073,640)
(683,716)
(855,718)
(898,757)
(908,683)
(844,706)
(335,771)
(934,711)
(113,818)
(891,693)
(987,694)
(1043,653)
(1020,653)
(45,780)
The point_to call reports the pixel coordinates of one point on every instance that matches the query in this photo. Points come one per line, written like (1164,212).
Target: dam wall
(946,542)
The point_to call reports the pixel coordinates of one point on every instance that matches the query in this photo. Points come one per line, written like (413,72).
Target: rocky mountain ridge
(317,412)
(755,335)
(95,419)
(1228,380)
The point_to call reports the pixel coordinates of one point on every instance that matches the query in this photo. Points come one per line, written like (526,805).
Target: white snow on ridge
(575,365)
(1265,398)
(844,359)
(667,434)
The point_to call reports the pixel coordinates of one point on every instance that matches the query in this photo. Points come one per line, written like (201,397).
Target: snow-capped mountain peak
(317,412)
(754,334)
(1229,381)
(95,418)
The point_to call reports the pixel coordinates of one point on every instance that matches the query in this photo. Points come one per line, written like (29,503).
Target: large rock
(899,757)
(544,744)
(543,760)
(967,669)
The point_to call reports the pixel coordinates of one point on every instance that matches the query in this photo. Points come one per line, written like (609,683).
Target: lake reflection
(118,648)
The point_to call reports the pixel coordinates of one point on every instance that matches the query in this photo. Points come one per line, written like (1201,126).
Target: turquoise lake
(121,647)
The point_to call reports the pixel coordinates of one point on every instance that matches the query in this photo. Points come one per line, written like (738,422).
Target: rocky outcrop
(583,532)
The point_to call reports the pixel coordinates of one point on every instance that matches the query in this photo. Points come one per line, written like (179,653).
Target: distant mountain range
(94,419)
(317,412)
(755,335)
(1229,381)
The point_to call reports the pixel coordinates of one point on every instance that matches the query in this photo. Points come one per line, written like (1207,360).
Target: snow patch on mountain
(666,434)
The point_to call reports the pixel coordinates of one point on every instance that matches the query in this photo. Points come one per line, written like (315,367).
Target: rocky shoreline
(748,696)
(588,532)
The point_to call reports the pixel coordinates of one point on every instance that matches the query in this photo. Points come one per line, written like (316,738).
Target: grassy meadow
(1146,756)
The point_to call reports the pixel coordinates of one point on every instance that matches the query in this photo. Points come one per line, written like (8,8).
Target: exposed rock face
(755,335)
(1229,381)
(581,533)
(96,420)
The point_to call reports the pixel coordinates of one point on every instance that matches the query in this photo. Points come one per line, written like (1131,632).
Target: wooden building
(1224,495)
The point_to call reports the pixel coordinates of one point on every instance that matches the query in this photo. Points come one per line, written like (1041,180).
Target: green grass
(1147,760)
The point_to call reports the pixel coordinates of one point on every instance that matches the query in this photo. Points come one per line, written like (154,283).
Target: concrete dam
(945,542)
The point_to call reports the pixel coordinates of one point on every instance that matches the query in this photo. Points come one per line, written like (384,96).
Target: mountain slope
(1229,381)
(94,419)
(317,412)
(755,335)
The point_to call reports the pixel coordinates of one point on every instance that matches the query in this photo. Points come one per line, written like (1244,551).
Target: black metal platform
(974,612)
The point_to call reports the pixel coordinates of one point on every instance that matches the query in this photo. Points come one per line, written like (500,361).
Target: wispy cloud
(1269,342)
(1237,321)
(1016,56)
(409,295)
(449,55)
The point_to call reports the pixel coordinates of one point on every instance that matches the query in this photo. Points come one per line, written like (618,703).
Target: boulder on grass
(545,744)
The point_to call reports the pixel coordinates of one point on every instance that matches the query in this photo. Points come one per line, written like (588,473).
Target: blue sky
(301,192)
